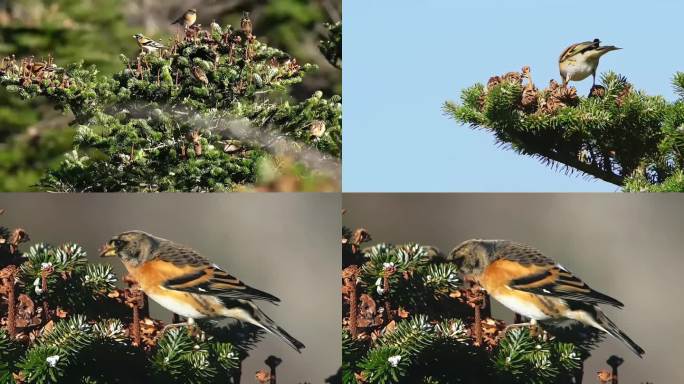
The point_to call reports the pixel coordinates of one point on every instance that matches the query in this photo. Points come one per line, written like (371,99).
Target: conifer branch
(616,134)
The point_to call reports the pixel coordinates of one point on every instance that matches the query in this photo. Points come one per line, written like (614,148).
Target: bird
(187,19)
(246,24)
(580,60)
(147,45)
(184,282)
(524,280)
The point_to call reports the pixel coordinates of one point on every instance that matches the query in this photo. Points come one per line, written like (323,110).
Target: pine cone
(529,100)
(622,95)
(552,105)
(597,91)
(567,96)
(493,82)
(513,77)
(481,101)
(553,85)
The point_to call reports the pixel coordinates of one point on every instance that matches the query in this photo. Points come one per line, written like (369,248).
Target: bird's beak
(108,251)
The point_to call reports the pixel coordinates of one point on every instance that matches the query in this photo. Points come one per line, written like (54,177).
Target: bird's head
(472,256)
(192,11)
(138,36)
(132,247)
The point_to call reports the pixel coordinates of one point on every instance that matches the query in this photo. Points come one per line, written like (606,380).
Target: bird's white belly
(176,306)
(525,308)
(579,70)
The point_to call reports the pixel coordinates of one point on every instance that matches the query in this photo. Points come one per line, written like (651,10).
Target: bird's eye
(117,243)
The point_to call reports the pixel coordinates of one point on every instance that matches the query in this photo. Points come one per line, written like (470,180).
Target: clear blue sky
(403,59)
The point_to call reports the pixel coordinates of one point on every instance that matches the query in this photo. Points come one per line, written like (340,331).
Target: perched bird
(147,45)
(187,19)
(533,285)
(246,24)
(580,60)
(199,75)
(184,282)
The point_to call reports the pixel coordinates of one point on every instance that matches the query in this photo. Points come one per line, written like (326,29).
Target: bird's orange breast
(500,273)
(154,273)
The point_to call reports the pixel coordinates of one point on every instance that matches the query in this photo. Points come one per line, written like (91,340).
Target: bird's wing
(546,277)
(178,20)
(152,43)
(558,282)
(577,49)
(201,277)
(522,254)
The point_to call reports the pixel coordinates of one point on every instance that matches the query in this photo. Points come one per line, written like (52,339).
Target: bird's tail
(265,322)
(607,325)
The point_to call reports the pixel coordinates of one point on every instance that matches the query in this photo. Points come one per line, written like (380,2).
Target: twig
(386,289)
(8,275)
(135,298)
(44,273)
(475,298)
(478,326)
(350,274)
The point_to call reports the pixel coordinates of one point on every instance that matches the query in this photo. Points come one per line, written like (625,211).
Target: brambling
(580,60)
(147,45)
(184,282)
(187,19)
(527,282)
(246,24)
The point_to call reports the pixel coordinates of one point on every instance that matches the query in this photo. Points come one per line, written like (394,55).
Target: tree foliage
(154,125)
(73,325)
(617,133)
(408,318)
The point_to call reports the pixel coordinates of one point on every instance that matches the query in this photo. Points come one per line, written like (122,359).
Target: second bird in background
(187,19)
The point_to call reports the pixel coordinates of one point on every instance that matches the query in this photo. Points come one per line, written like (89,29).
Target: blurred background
(284,244)
(626,246)
(34,137)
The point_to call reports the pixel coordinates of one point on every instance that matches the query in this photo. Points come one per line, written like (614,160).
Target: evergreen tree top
(616,133)
(167,120)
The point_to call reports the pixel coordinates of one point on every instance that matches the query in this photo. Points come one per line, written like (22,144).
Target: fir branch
(616,134)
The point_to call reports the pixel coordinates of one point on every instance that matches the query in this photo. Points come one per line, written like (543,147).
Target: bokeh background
(285,244)
(34,136)
(627,246)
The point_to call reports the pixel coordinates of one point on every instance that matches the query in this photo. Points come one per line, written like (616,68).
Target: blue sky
(396,138)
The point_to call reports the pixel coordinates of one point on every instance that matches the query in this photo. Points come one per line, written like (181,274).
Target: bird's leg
(190,323)
(532,324)
(519,325)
